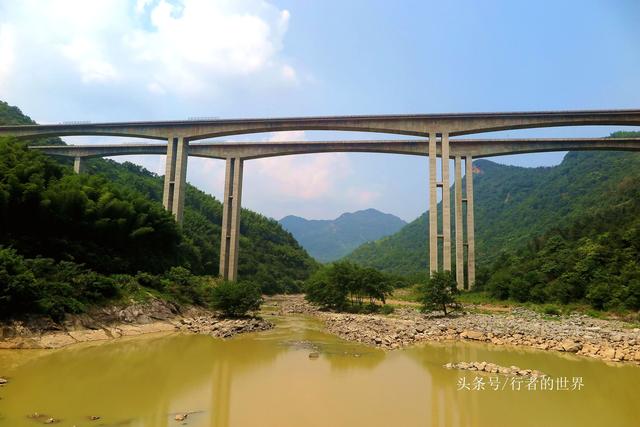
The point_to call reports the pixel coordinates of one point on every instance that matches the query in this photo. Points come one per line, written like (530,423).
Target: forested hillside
(512,205)
(594,257)
(329,240)
(110,221)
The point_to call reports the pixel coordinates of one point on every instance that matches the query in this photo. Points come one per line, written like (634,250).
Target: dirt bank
(117,321)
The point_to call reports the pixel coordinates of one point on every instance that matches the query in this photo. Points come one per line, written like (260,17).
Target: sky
(117,60)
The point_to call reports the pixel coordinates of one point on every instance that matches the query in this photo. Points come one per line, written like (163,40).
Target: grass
(482,302)
(408,294)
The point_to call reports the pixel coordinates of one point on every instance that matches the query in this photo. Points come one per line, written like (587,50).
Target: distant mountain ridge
(330,239)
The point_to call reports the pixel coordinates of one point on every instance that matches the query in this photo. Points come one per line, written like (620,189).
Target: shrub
(551,310)
(184,286)
(386,309)
(598,295)
(150,281)
(43,286)
(236,298)
(439,292)
(498,285)
(94,287)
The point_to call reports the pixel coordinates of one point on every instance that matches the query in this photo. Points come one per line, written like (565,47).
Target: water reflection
(269,380)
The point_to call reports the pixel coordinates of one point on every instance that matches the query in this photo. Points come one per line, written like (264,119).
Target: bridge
(434,131)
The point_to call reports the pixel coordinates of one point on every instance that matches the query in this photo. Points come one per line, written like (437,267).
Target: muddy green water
(268,379)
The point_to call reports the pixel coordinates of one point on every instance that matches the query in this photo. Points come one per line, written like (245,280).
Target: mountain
(593,258)
(111,219)
(329,240)
(512,205)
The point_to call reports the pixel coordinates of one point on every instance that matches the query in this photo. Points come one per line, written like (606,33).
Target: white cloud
(182,48)
(89,61)
(306,177)
(7,41)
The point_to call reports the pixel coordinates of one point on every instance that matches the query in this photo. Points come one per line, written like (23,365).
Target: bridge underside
(417,147)
(435,131)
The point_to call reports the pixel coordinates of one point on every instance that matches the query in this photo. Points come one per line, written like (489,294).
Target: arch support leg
(231,206)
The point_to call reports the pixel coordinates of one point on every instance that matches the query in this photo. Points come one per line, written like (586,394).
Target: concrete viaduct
(435,130)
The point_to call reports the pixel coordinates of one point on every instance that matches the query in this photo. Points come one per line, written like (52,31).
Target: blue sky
(152,59)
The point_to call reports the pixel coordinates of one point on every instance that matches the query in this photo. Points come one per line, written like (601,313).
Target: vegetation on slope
(594,258)
(512,205)
(57,227)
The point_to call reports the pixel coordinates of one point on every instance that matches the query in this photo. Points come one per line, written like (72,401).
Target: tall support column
(446,202)
(169,175)
(471,251)
(78,165)
(230,238)
(180,185)
(433,205)
(459,226)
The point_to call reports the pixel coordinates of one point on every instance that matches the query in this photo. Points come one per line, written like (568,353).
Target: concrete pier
(446,201)
(78,165)
(231,206)
(169,175)
(180,186)
(433,204)
(459,224)
(175,176)
(471,242)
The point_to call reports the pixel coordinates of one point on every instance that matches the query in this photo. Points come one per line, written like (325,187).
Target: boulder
(608,353)
(472,335)
(571,346)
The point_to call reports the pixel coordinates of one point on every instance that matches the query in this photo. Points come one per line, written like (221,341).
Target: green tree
(343,285)
(439,292)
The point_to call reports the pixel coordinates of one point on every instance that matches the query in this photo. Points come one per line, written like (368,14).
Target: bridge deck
(403,124)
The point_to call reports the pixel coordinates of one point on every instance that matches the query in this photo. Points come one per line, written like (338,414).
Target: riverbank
(609,340)
(114,322)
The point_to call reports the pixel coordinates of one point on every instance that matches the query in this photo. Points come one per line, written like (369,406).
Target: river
(268,379)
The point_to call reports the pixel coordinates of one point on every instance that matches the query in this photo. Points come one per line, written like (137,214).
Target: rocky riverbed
(492,368)
(223,328)
(114,322)
(579,334)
